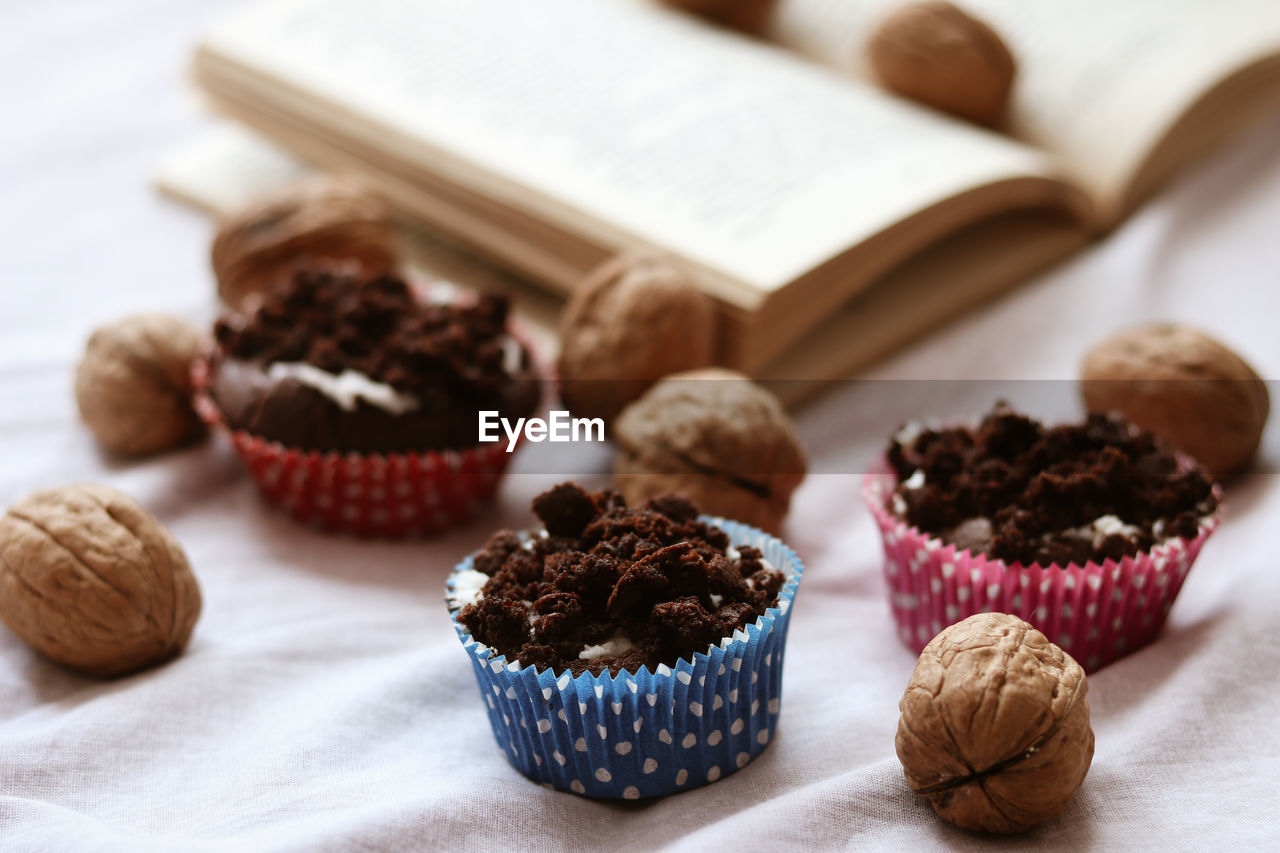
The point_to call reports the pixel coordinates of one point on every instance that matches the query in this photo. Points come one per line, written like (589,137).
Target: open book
(830,220)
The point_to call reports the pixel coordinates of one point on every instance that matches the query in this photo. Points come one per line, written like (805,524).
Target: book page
(1099,81)
(660,130)
(225,170)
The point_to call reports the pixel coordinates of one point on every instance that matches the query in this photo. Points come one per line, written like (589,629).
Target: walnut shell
(944,58)
(318,220)
(133,385)
(748,16)
(1184,385)
(995,725)
(715,436)
(634,320)
(91,579)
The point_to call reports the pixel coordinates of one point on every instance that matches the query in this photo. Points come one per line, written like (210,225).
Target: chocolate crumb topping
(612,587)
(1019,491)
(379,328)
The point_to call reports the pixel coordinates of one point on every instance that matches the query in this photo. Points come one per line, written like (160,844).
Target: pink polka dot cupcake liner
(1097,612)
(394,495)
(644,734)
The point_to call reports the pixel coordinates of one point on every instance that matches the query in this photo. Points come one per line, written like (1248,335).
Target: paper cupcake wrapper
(645,734)
(392,495)
(1097,612)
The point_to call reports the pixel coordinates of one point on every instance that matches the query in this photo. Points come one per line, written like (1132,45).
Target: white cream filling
(345,388)
(511,355)
(915,481)
(910,431)
(1097,531)
(612,647)
(529,543)
(734,554)
(468,587)
(1105,526)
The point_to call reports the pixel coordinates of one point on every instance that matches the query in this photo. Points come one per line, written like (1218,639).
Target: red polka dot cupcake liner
(644,734)
(1097,612)
(394,495)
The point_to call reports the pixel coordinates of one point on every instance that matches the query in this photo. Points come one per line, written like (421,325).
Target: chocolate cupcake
(1085,530)
(331,363)
(356,402)
(627,652)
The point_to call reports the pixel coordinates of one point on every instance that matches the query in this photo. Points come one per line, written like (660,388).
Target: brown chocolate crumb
(1022,492)
(501,545)
(653,575)
(565,510)
(448,362)
(376,327)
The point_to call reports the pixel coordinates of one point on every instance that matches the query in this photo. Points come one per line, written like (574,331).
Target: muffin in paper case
(1097,612)
(644,734)
(392,495)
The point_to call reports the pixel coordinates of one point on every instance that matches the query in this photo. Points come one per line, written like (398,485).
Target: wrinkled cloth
(325,702)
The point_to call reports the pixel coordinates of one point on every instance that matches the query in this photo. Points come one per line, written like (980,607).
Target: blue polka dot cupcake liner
(644,734)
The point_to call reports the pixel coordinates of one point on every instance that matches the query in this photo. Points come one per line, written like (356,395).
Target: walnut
(1184,385)
(715,436)
(318,220)
(633,321)
(938,55)
(133,384)
(91,579)
(995,725)
(748,16)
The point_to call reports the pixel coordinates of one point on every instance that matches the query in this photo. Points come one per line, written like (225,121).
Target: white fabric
(325,702)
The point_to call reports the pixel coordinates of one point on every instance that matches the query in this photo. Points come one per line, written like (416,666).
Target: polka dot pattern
(646,734)
(393,495)
(1097,612)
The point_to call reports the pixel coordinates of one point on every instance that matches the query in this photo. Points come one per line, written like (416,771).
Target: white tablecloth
(324,700)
